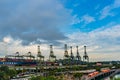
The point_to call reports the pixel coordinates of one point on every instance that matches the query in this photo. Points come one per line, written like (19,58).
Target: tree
(50,78)
(6,73)
(78,75)
(4,68)
(43,78)
(3,76)
(117,79)
(12,72)
(37,78)
(98,68)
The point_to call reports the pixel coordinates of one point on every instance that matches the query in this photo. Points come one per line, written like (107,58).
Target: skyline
(24,24)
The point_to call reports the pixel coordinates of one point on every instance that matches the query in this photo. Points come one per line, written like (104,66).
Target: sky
(25,24)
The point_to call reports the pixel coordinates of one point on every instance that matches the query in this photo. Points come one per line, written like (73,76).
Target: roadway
(102,75)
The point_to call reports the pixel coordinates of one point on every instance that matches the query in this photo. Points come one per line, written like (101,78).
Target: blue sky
(24,23)
(95,13)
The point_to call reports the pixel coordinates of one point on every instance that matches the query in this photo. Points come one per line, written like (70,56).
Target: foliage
(12,72)
(2,75)
(78,75)
(4,68)
(98,68)
(51,72)
(43,78)
(6,73)
(37,78)
(50,78)
(117,79)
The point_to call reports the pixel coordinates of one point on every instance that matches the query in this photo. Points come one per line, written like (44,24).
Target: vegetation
(117,79)
(43,78)
(54,74)
(78,75)
(6,73)
(37,78)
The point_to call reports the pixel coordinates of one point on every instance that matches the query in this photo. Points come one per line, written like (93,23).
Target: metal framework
(29,56)
(52,57)
(39,55)
(71,55)
(85,57)
(78,57)
(40,59)
(16,56)
(66,56)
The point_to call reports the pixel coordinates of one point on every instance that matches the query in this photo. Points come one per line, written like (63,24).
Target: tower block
(52,57)
(40,57)
(66,56)
(78,57)
(85,57)
(71,56)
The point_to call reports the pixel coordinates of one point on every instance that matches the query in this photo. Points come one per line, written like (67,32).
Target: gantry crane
(52,57)
(29,56)
(66,56)
(78,57)
(85,57)
(39,55)
(71,54)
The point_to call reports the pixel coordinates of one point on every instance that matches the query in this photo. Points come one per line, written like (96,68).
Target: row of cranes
(52,57)
(17,56)
(71,56)
(77,57)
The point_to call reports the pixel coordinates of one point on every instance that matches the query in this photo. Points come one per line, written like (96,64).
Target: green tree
(37,78)
(98,68)
(50,78)
(3,76)
(6,73)
(12,73)
(78,75)
(117,79)
(4,68)
(52,73)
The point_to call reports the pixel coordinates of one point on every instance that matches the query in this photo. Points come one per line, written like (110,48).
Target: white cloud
(10,46)
(104,42)
(75,20)
(86,19)
(116,4)
(30,20)
(7,39)
(107,10)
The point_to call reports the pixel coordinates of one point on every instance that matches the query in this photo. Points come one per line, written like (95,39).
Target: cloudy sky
(24,24)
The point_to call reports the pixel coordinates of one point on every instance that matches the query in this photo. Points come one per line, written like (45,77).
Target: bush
(42,78)
(6,73)
(50,78)
(37,78)
(78,75)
